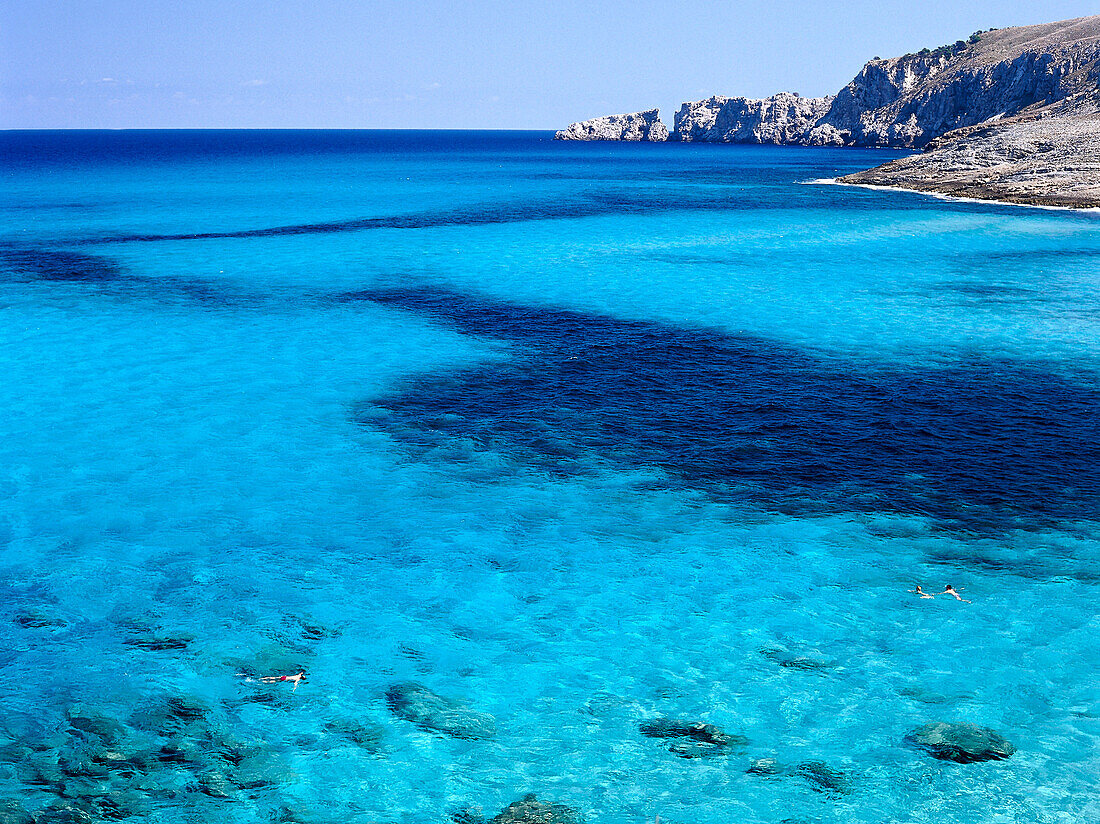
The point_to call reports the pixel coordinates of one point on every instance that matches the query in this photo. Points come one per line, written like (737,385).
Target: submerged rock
(697,749)
(928,697)
(962,743)
(765,766)
(64,813)
(822,778)
(157,642)
(33,619)
(368,734)
(172,715)
(258,771)
(116,805)
(13,751)
(791,660)
(97,769)
(416,703)
(183,752)
(79,762)
(103,727)
(144,631)
(286,814)
(214,785)
(12,812)
(529,810)
(468,815)
(280,658)
(311,630)
(702,740)
(188,709)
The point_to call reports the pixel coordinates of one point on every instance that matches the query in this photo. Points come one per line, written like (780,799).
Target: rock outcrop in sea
(639,126)
(416,703)
(528,810)
(820,776)
(1009,114)
(963,743)
(805,661)
(696,739)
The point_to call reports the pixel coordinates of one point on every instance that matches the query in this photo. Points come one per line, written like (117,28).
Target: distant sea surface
(575,436)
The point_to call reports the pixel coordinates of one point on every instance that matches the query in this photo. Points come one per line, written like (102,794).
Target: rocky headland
(1008,114)
(638,126)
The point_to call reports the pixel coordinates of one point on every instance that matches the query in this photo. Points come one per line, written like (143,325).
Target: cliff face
(636,127)
(909,101)
(782,119)
(1018,120)
(1013,114)
(867,112)
(904,102)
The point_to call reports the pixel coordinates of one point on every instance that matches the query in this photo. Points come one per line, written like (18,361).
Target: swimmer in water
(277,679)
(920,592)
(950,590)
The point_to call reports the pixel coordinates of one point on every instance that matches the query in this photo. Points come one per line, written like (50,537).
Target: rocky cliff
(1010,114)
(1025,127)
(636,127)
(782,119)
(909,101)
(903,102)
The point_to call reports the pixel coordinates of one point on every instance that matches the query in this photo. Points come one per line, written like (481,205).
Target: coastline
(1086,207)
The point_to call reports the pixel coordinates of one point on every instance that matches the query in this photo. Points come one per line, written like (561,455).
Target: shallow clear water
(582,435)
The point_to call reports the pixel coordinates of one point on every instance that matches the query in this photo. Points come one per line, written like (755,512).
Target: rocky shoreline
(1052,163)
(1010,115)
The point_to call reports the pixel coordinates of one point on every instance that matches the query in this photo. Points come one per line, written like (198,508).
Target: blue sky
(510,64)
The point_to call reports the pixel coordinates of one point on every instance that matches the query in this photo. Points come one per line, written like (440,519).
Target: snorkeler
(920,592)
(950,590)
(277,679)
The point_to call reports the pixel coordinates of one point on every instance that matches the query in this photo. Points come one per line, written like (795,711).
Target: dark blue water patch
(987,445)
(986,293)
(594,204)
(1042,562)
(61,265)
(39,207)
(1041,256)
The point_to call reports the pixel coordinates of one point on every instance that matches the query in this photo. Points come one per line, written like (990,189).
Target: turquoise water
(582,435)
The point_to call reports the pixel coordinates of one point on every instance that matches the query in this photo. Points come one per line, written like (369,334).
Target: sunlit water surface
(581,435)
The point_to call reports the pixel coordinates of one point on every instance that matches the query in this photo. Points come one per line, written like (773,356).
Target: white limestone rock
(1012,114)
(909,101)
(639,126)
(1041,161)
(781,119)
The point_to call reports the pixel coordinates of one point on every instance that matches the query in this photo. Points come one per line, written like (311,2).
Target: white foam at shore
(832,181)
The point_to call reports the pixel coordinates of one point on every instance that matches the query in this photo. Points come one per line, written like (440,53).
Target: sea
(516,447)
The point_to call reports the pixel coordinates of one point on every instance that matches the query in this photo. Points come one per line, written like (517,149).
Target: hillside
(1006,114)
